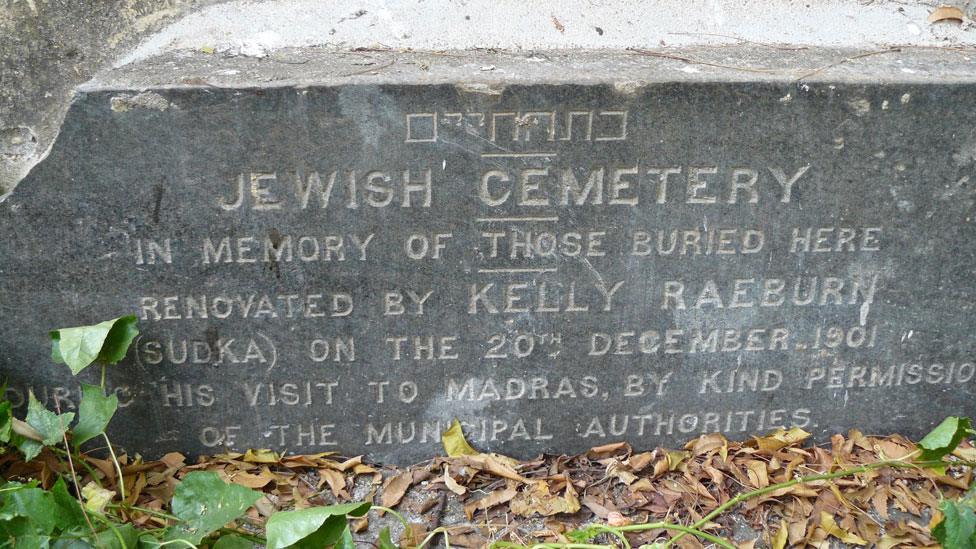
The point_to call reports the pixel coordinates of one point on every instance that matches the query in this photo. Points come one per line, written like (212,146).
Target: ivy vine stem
(118,467)
(151,512)
(250,537)
(434,532)
(684,530)
(399,517)
(509,545)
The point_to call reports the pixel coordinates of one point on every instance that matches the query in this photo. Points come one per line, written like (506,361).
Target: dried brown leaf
(888,541)
(599,508)
(906,500)
(252,481)
(707,443)
(614,518)
(468,540)
(798,531)
(336,481)
(758,475)
(607,450)
(451,484)
(946,13)
(638,462)
(621,472)
(312,460)
(537,500)
(889,449)
(106,466)
(413,535)
(501,466)
(362,469)
(676,458)
(264,506)
(495,498)
(642,485)
(395,488)
(780,438)
(879,501)
(831,528)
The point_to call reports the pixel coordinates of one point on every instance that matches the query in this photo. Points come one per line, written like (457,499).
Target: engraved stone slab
(350,265)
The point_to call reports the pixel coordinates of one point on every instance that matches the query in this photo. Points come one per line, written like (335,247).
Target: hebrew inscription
(350,268)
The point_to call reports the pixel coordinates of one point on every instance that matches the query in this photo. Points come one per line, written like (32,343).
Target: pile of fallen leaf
(542,499)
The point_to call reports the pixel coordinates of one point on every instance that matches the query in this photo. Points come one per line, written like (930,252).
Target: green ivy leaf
(77,543)
(315,526)
(115,536)
(31,513)
(326,536)
(6,421)
(958,527)
(51,426)
(69,512)
(345,540)
(12,527)
(584,535)
(233,541)
(116,345)
(385,541)
(147,541)
(119,536)
(34,504)
(944,438)
(204,503)
(32,542)
(30,448)
(106,342)
(94,413)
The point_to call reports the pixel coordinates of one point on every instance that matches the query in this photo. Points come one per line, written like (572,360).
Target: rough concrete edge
(50,47)
(246,27)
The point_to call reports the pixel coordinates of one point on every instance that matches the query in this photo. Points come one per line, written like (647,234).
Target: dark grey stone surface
(51,47)
(271,318)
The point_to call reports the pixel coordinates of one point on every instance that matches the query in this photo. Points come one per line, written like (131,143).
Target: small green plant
(92,516)
(957,529)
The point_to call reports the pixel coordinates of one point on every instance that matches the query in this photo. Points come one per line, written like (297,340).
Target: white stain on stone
(629,87)
(860,106)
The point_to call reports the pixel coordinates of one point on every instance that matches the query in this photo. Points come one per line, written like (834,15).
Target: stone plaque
(350,266)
